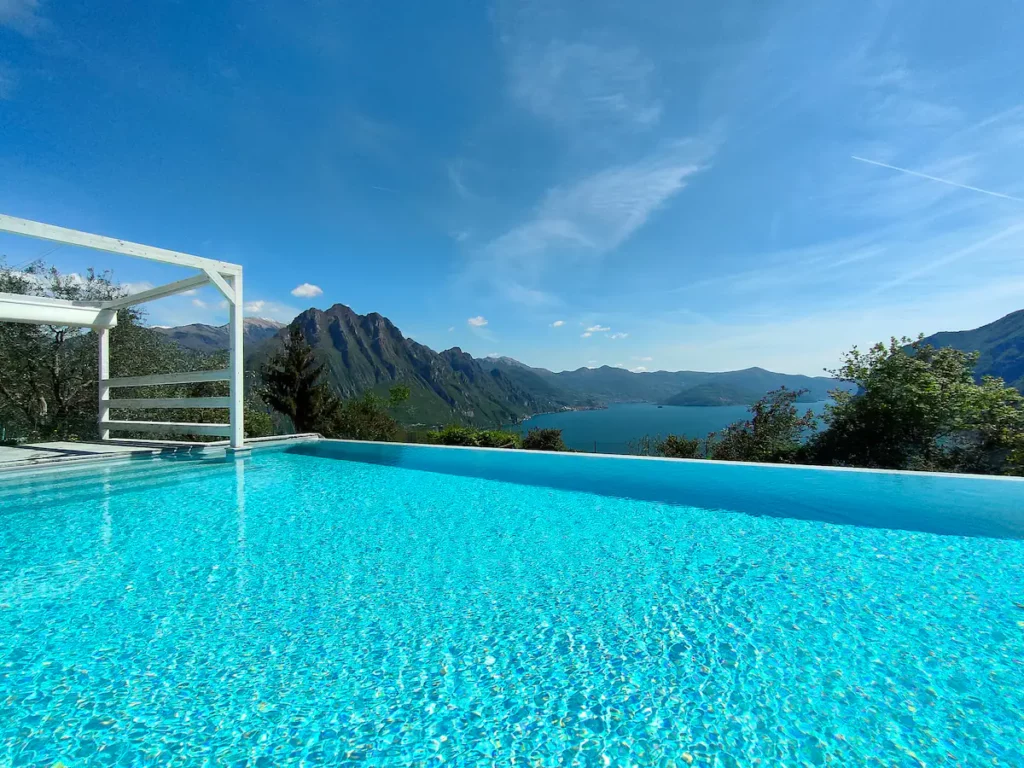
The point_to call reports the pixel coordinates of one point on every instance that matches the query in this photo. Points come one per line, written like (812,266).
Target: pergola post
(104,381)
(235,333)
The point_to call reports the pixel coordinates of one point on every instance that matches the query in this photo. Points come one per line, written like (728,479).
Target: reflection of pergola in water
(102,316)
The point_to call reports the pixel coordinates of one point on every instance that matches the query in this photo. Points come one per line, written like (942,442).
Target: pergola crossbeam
(159,292)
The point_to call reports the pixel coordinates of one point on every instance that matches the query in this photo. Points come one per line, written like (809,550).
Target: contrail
(941,181)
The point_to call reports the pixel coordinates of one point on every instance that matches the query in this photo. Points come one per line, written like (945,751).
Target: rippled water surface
(297,608)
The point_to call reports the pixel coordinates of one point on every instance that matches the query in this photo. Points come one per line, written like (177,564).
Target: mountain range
(368,352)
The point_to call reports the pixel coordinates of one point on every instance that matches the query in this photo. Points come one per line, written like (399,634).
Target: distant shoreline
(567,409)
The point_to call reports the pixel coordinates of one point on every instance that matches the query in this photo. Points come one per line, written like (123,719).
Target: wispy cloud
(638,369)
(618,335)
(456,176)
(586,219)
(558,323)
(643,359)
(307,290)
(586,335)
(598,328)
(477,322)
(200,304)
(23,16)
(8,81)
(948,258)
(576,83)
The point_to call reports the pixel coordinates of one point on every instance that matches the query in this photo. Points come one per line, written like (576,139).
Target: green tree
(773,433)
(917,407)
(293,386)
(544,440)
(368,417)
(48,373)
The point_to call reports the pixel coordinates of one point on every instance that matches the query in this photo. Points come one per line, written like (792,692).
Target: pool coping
(716,462)
(142,450)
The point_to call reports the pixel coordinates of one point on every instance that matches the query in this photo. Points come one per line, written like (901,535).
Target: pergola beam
(67,236)
(222,285)
(170,289)
(41,310)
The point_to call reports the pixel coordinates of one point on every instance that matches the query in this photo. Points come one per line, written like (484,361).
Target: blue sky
(657,185)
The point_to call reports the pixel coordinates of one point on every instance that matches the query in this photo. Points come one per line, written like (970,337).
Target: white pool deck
(64,453)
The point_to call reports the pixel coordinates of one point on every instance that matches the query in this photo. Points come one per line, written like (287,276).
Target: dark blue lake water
(610,430)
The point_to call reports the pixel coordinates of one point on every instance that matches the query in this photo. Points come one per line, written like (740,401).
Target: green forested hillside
(1000,346)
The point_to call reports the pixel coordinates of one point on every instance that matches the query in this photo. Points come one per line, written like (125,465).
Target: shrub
(679,447)
(257,422)
(498,438)
(544,440)
(455,434)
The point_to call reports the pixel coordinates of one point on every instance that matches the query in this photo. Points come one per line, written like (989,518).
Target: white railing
(107,404)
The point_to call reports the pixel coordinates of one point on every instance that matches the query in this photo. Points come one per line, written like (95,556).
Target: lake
(610,430)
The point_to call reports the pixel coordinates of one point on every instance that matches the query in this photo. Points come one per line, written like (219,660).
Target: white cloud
(460,236)
(139,287)
(451,328)
(22,16)
(617,335)
(586,335)
(477,322)
(199,303)
(270,310)
(307,290)
(558,323)
(598,329)
(577,222)
(643,359)
(578,85)
(638,369)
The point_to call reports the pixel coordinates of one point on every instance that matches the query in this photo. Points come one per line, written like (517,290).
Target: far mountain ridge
(368,352)
(200,337)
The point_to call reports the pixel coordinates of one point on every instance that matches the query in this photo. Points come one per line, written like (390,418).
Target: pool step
(98,481)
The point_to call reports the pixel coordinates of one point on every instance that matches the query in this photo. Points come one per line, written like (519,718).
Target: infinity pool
(371,605)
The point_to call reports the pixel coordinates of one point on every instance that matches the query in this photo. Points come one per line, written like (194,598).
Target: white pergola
(102,316)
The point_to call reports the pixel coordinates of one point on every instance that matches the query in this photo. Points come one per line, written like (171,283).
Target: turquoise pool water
(296,607)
